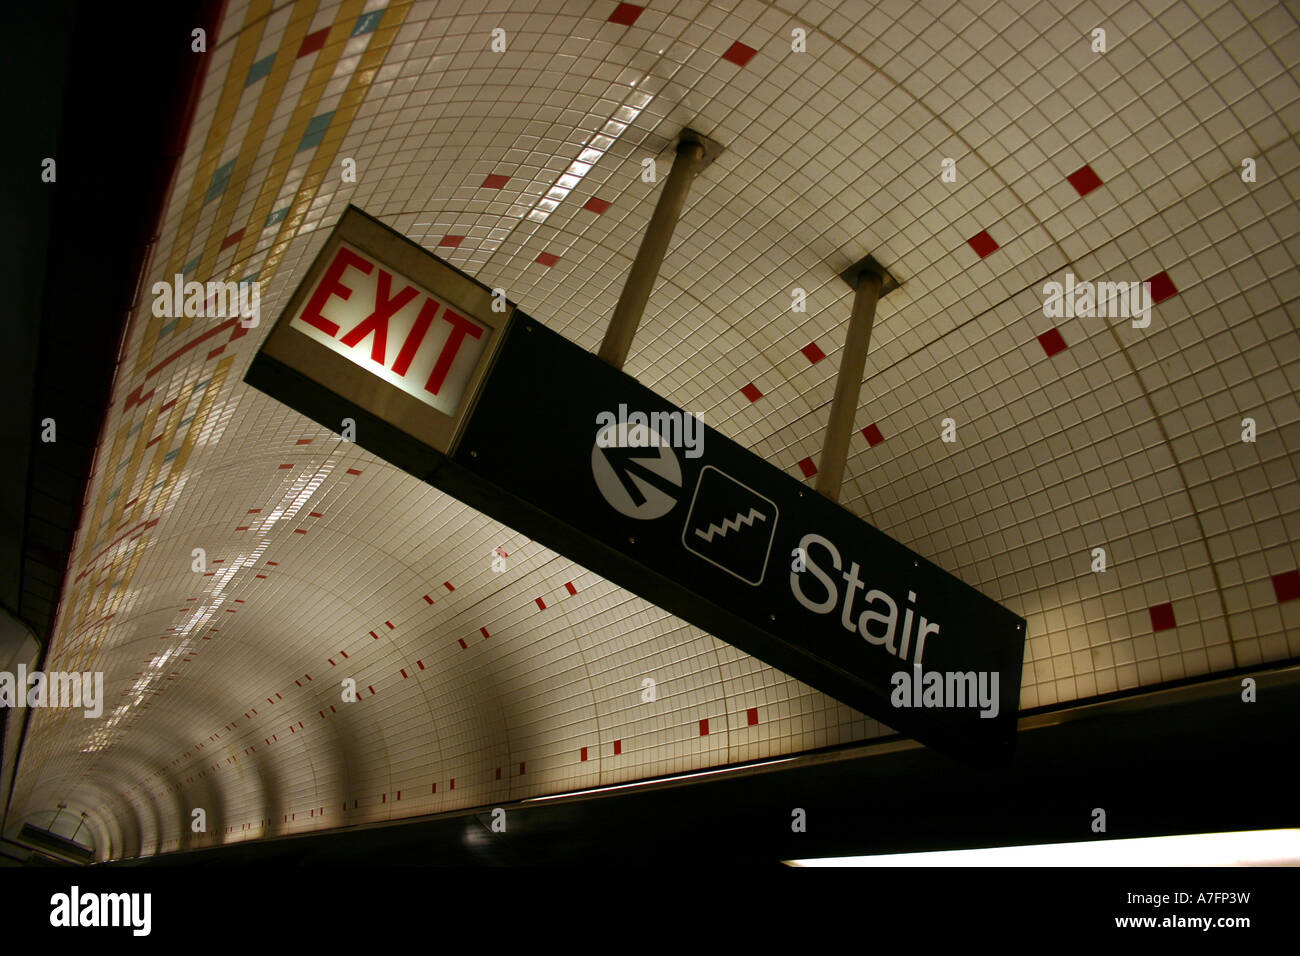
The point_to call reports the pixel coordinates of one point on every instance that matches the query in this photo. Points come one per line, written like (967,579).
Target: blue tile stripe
(259,69)
(367,22)
(315,131)
(220,180)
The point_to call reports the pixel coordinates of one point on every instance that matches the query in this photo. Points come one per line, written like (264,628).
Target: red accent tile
(813,353)
(584,754)
(752,716)
(420,664)
(1052,342)
(315,514)
(495,181)
(704,728)
(872,434)
(541,605)
(451,241)
(254,511)
(242,527)
(428,600)
(1287,586)
(751,392)
(982,243)
(463,644)
(435,788)
(1084,180)
(299,530)
(303,441)
(447,585)
(283,467)
(231,240)
(313,42)
(484,631)
(521,768)
(273,564)
(1162,287)
(261,577)
(389,624)
(404,674)
(571,588)
(453,783)
(1162,617)
(547,258)
(215,352)
(807,467)
(598,206)
(618,747)
(344,653)
(374,635)
(498,773)
(353,471)
(739,54)
(625,14)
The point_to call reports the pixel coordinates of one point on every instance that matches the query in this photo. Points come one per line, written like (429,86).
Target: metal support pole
(60,808)
(848,384)
(79,825)
(645,268)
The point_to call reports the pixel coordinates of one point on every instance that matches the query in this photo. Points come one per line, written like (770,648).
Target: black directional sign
(584,459)
(734,545)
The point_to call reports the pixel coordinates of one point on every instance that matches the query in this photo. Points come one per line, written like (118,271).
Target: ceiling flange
(869,264)
(712,148)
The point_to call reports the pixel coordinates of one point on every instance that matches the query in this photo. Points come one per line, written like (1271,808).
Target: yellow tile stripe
(231,94)
(358,85)
(103,595)
(96,599)
(255,134)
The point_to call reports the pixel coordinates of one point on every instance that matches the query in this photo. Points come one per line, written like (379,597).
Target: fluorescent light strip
(595,148)
(1244,848)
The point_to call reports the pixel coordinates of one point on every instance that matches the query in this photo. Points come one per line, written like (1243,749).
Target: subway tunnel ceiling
(523,168)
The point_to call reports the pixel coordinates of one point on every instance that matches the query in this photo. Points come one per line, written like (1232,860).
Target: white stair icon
(731,524)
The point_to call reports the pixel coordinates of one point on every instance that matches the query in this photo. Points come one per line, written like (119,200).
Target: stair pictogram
(754,513)
(730,525)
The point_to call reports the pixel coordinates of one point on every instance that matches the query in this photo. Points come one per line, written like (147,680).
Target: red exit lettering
(386,306)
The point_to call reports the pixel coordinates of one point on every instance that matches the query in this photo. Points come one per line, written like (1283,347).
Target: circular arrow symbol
(636,470)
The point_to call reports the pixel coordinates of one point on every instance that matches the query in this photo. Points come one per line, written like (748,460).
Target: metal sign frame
(295,352)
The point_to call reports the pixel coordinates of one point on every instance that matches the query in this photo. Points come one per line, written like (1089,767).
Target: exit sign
(368,323)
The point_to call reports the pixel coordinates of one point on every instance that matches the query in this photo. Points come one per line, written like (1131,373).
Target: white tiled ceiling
(223,690)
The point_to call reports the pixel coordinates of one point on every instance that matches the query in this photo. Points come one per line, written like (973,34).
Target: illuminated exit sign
(368,325)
